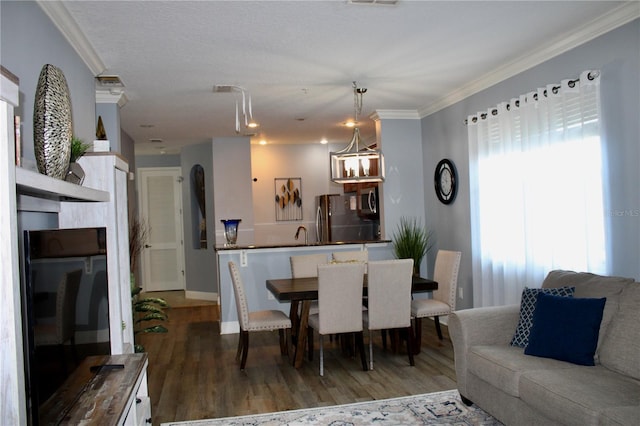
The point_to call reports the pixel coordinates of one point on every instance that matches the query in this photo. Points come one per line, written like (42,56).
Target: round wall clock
(446,181)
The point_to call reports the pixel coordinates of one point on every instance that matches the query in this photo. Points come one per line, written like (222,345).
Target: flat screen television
(65,303)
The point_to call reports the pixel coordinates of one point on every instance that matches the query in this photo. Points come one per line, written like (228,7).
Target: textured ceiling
(297,59)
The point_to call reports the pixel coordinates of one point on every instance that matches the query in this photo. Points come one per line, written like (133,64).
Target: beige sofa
(521,389)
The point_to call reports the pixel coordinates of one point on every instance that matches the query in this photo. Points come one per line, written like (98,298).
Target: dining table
(302,291)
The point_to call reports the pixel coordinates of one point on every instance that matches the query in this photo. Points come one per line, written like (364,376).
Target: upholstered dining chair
(443,301)
(306,265)
(351,256)
(267,320)
(340,306)
(64,329)
(389,290)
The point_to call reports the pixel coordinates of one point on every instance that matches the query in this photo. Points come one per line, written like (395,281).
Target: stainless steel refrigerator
(337,219)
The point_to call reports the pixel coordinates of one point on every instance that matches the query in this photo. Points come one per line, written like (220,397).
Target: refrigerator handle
(318,224)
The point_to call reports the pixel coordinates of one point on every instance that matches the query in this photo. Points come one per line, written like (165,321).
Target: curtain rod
(592,75)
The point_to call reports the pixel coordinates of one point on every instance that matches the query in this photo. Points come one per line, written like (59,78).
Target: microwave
(368,203)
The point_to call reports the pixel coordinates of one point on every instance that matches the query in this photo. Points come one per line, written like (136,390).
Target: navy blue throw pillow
(565,328)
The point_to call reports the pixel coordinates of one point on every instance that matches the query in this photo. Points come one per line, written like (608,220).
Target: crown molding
(601,25)
(111,97)
(395,114)
(59,15)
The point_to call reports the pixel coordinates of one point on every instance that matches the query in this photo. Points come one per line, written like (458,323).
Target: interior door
(162,258)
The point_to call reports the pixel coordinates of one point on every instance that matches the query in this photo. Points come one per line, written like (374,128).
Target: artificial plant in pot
(75,174)
(412,240)
(146,311)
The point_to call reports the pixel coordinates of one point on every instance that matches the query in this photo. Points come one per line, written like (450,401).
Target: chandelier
(353,164)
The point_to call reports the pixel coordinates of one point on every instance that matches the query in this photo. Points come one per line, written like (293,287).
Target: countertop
(266,246)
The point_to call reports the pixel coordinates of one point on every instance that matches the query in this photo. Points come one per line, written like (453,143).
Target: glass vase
(231,230)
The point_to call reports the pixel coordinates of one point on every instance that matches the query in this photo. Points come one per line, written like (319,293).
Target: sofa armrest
(479,326)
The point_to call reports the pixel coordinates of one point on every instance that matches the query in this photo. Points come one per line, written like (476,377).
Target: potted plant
(147,309)
(411,240)
(75,174)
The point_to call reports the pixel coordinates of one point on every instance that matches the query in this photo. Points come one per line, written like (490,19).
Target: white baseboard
(229,327)
(201,295)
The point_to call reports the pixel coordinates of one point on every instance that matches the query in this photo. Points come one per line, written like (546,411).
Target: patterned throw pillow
(528,306)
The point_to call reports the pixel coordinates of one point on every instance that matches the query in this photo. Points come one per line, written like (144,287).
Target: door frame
(175,172)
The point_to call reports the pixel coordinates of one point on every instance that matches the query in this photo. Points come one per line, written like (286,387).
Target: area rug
(440,408)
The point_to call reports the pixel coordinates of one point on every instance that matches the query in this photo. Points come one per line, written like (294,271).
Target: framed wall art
(288,198)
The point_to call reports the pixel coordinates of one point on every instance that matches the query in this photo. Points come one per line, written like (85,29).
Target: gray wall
(29,41)
(444,135)
(200,264)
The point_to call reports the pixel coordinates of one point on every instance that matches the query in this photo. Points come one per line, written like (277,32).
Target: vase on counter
(231,230)
(52,129)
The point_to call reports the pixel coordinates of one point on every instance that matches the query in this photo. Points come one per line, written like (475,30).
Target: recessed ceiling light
(263,142)
(350,123)
(324,141)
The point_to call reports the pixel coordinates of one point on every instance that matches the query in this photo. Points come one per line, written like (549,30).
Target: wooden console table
(104,390)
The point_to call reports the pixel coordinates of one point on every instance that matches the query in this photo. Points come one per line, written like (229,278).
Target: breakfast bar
(260,263)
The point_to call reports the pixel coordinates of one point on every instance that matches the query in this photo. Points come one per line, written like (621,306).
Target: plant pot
(75,174)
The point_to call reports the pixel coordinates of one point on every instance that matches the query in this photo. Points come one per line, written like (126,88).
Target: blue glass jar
(231,230)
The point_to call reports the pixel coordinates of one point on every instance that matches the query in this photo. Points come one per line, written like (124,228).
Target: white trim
(111,97)
(61,18)
(601,25)
(201,295)
(396,114)
(229,327)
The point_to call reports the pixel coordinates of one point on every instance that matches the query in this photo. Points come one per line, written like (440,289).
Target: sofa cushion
(527,307)
(592,285)
(620,416)
(620,349)
(578,395)
(565,328)
(502,365)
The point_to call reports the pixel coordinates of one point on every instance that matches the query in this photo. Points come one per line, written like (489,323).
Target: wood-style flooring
(193,373)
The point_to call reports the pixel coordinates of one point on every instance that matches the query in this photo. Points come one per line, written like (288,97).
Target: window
(536,189)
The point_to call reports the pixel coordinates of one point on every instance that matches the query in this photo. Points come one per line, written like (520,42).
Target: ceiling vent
(109,81)
(374,2)
(224,88)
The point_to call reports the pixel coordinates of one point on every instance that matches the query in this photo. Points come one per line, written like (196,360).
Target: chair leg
(418,333)
(384,339)
(283,342)
(310,343)
(245,348)
(437,320)
(360,344)
(371,349)
(321,356)
(410,345)
(239,351)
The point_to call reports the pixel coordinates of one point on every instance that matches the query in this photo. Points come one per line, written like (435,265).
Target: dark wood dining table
(302,291)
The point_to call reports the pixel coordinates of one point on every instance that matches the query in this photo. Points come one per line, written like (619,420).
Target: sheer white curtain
(536,189)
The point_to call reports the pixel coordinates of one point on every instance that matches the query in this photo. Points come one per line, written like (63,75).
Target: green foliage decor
(148,309)
(411,240)
(78,149)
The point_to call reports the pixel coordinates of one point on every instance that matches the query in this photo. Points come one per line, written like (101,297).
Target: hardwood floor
(193,373)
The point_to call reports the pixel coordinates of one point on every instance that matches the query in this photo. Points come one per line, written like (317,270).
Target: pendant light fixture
(353,164)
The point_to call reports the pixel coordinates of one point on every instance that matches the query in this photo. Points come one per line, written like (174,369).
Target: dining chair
(443,301)
(339,306)
(64,328)
(389,290)
(351,256)
(267,320)
(306,265)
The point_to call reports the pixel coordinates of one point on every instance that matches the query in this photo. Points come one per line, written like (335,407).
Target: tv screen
(65,307)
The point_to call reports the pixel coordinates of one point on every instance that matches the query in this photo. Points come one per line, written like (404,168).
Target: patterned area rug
(440,408)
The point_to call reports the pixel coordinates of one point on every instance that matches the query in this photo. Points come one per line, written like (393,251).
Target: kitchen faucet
(306,239)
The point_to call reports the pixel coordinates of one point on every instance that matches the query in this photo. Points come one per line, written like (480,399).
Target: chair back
(306,265)
(340,297)
(351,256)
(241,297)
(66,299)
(389,294)
(446,275)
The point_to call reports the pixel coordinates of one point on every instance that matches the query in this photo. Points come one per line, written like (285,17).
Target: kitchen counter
(270,246)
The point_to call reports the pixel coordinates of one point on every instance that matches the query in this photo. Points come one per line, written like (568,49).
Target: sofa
(519,388)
